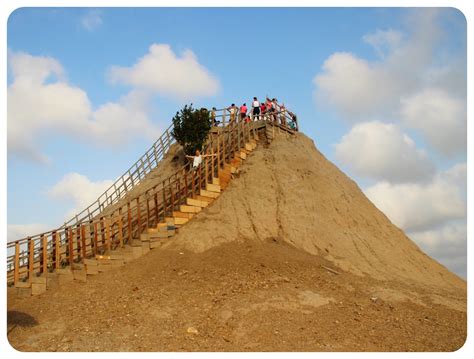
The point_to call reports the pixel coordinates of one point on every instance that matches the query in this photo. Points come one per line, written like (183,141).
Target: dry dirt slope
(246,274)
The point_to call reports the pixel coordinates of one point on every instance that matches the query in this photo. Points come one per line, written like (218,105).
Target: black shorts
(256,111)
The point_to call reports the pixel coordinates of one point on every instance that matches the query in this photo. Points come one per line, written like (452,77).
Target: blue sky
(349,74)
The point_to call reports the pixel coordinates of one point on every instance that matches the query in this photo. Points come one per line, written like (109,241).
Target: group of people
(269,109)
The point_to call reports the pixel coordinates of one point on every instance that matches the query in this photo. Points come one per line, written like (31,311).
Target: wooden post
(164,199)
(83,240)
(107,234)
(139,219)
(193,175)
(78,241)
(44,246)
(120,233)
(96,237)
(213,161)
(57,250)
(172,198)
(70,247)
(31,258)
(218,156)
(185,182)
(147,210)
(16,269)
(206,165)
(129,222)
(155,200)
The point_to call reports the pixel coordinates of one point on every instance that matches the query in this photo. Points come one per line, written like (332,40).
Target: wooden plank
(182,214)
(196,202)
(209,193)
(179,221)
(16,275)
(189,209)
(204,198)
(216,181)
(213,187)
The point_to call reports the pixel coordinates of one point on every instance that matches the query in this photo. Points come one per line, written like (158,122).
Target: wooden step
(243,155)
(163,234)
(209,193)
(213,187)
(170,221)
(196,202)
(204,198)
(179,221)
(189,209)
(248,147)
(181,215)
(216,181)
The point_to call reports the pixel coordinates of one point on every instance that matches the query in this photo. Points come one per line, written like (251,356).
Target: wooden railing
(89,236)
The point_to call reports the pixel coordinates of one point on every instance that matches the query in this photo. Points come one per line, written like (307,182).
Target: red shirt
(243,109)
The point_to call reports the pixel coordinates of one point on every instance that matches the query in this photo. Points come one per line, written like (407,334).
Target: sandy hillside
(291,257)
(290,192)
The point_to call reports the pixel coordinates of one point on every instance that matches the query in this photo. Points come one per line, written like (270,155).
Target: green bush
(191,127)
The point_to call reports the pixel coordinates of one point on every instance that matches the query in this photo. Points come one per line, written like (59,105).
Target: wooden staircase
(151,238)
(145,222)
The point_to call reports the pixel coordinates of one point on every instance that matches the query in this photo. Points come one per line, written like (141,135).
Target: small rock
(192,330)
(374,299)
(183,272)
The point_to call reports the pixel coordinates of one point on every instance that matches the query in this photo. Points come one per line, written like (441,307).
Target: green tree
(191,127)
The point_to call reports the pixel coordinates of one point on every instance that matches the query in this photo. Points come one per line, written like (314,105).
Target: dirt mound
(240,296)
(290,192)
(291,257)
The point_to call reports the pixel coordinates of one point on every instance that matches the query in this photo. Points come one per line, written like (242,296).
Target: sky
(381,91)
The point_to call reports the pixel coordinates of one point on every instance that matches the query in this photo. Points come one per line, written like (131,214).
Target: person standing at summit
(255,109)
(243,112)
(232,110)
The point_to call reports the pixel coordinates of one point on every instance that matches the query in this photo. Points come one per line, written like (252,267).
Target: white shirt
(197,161)
(256,104)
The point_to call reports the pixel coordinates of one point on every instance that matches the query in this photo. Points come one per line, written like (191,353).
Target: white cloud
(19,231)
(163,72)
(417,207)
(40,100)
(91,20)
(440,117)
(382,151)
(78,190)
(384,41)
(408,82)
(353,86)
